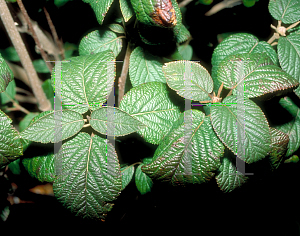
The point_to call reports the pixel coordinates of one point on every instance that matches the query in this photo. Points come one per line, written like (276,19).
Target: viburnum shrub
(215,130)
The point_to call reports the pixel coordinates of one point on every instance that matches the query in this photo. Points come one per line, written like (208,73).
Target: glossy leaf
(189,153)
(255,73)
(238,44)
(90,178)
(181,33)
(10,91)
(44,128)
(114,122)
(6,75)
(189,79)
(289,56)
(280,142)
(127,174)
(41,167)
(126,9)
(242,127)
(100,41)
(144,67)
(116,28)
(10,143)
(86,81)
(142,181)
(229,178)
(100,8)
(288,11)
(144,103)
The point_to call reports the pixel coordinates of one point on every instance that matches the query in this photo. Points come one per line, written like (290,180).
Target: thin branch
(36,40)
(293,25)
(28,99)
(44,103)
(222,5)
(122,79)
(184,3)
(54,34)
(17,106)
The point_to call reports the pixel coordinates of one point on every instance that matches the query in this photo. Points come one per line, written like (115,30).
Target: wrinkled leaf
(142,181)
(10,91)
(189,153)
(6,75)
(288,11)
(126,9)
(100,8)
(90,178)
(127,174)
(144,103)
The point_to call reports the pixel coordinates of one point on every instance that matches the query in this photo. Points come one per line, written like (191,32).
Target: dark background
(267,205)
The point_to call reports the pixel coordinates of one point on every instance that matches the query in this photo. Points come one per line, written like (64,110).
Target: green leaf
(181,33)
(40,66)
(10,54)
(100,8)
(60,3)
(279,144)
(48,89)
(153,13)
(289,56)
(10,91)
(189,79)
(91,178)
(144,103)
(126,9)
(288,11)
(241,125)
(41,167)
(15,167)
(238,44)
(186,51)
(292,159)
(255,73)
(116,28)
(10,143)
(100,41)
(69,49)
(6,75)
(27,120)
(144,67)
(189,153)
(86,81)
(114,122)
(229,178)
(127,174)
(292,128)
(44,128)
(142,181)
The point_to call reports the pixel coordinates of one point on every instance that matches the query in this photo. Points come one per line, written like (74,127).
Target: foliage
(194,145)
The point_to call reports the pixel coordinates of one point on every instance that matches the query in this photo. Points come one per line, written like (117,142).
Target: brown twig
(8,22)
(28,99)
(36,40)
(54,34)
(17,106)
(184,3)
(122,78)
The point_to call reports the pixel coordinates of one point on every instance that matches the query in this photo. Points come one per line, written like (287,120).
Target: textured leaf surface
(142,181)
(126,9)
(100,41)
(10,92)
(229,178)
(91,178)
(127,174)
(116,28)
(238,44)
(114,122)
(255,73)
(10,143)
(144,67)
(244,127)
(288,11)
(289,56)
(186,51)
(189,153)
(280,142)
(44,129)
(181,33)
(189,79)
(86,81)
(41,167)
(100,8)
(144,103)
(6,74)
